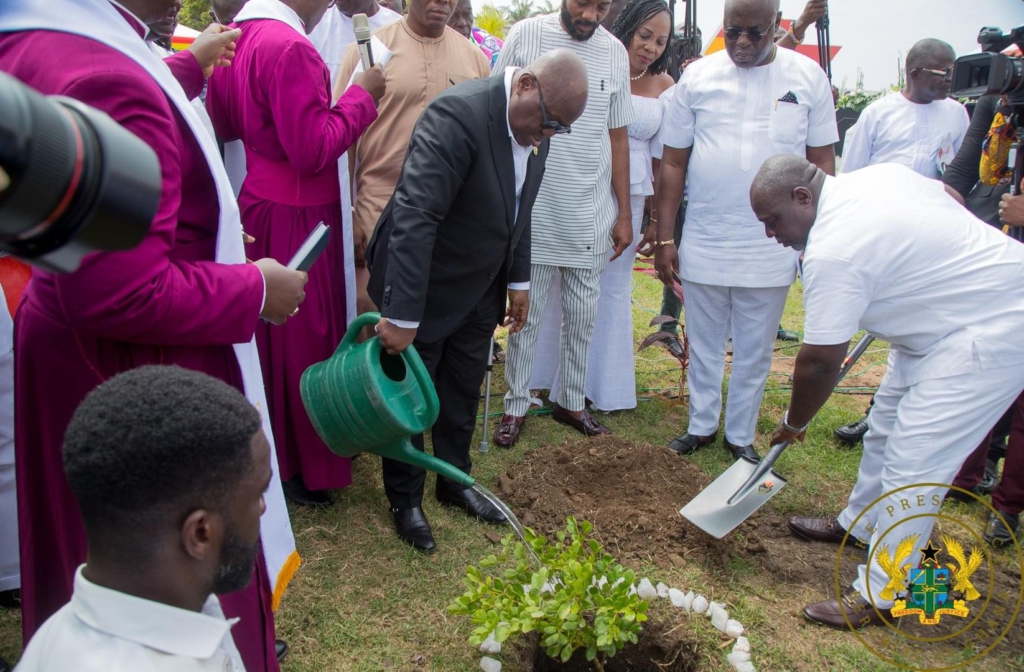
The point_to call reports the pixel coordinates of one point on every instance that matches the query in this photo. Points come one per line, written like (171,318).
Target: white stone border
(698,604)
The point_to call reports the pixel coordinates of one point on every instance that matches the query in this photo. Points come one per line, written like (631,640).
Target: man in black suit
(452,241)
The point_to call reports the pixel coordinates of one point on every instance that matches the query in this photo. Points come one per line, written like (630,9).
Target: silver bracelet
(790,428)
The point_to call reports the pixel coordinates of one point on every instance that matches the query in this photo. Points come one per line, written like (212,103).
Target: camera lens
(79,182)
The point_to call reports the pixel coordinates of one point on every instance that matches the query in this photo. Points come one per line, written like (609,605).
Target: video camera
(992,72)
(76,181)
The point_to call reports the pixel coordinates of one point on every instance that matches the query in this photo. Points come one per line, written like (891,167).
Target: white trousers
(10,567)
(919,434)
(611,373)
(751,315)
(580,290)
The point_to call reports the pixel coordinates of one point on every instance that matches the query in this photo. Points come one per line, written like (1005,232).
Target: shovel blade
(710,510)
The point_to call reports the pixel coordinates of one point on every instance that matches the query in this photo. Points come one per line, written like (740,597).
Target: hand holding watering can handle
(413,361)
(762,469)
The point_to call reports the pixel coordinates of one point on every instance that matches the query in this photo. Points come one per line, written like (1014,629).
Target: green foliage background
(195,14)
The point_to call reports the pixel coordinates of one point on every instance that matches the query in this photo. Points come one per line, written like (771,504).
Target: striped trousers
(581,288)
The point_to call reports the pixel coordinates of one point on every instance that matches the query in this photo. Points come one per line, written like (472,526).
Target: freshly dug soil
(631,493)
(660,649)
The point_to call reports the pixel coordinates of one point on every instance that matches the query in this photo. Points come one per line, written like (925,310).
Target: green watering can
(364,400)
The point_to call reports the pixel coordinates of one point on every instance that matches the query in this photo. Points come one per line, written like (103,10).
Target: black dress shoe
(412,528)
(296,491)
(853,433)
(690,443)
(990,480)
(784,335)
(281,648)
(472,503)
(998,534)
(742,451)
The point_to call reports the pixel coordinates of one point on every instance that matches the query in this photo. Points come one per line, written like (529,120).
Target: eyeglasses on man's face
(945,74)
(547,123)
(755,34)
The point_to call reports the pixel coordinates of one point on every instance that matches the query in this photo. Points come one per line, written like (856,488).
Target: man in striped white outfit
(582,218)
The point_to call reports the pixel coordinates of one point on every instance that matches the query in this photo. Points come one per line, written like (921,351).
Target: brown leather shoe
(585,424)
(507,433)
(818,529)
(858,610)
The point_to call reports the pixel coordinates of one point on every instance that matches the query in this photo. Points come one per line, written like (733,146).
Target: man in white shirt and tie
(891,252)
(920,127)
(168,467)
(731,111)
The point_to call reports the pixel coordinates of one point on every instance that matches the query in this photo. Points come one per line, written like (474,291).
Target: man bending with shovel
(889,251)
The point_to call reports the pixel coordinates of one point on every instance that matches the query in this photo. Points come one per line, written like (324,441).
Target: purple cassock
(165,302)
(276,98)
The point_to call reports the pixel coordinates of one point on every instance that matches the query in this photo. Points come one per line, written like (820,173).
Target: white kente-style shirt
(735,118)
(922,137)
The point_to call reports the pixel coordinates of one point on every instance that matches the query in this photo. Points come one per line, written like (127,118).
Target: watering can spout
(362,399)
(406,452)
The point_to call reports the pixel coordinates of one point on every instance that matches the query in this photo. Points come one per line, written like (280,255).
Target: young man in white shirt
(168,467)
(730,112)
(889,251)
(920,127)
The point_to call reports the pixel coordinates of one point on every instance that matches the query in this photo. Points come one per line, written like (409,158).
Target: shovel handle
(763,467)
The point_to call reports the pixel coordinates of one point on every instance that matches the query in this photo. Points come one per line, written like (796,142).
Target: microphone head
(361,27)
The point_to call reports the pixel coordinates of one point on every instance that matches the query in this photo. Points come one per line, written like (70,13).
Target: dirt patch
(631,493)
(661,648)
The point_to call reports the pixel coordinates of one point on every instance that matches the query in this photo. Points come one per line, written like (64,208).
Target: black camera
(991,72)
(77,182)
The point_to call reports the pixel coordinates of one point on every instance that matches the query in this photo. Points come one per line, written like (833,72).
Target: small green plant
(579,598)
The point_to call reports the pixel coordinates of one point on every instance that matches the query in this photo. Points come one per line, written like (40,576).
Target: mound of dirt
(631,493)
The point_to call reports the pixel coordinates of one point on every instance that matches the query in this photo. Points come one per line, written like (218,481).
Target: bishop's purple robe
(165,302)
(276,98)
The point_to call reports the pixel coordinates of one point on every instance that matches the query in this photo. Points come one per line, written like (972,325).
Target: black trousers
(457,365)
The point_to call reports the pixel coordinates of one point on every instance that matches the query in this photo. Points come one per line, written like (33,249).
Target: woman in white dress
(644,27)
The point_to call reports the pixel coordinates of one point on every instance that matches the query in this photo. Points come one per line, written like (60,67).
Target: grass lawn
(362,600)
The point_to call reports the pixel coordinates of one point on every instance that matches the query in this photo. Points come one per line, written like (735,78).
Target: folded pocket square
(788,98)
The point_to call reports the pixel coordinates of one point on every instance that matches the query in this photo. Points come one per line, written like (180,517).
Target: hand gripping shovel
(744,487)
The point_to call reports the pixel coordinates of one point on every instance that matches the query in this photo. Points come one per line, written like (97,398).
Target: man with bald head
(891,252)
(453,241)
(731,111)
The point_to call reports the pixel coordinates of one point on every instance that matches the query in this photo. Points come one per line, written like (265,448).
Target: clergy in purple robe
(276,98)
(165,302)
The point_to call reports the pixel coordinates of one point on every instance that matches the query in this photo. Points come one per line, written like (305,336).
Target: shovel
(487,399)
(744,487)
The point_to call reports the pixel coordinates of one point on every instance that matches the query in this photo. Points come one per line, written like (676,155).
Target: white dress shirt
(735,118)
(890,252)
(104,630)
(520,159)
(893,129)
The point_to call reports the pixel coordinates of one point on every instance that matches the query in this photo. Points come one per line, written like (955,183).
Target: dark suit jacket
(447,234)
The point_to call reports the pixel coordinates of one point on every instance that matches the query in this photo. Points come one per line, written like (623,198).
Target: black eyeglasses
(546,121)
(945,74)
(755,34)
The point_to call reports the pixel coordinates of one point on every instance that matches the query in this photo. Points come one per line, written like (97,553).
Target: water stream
(513,521)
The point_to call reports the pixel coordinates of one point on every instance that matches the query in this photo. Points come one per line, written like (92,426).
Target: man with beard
(582,218)
(730,112)
(168,467)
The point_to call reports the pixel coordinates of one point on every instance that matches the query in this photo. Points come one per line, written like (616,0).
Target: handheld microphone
(361,27)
